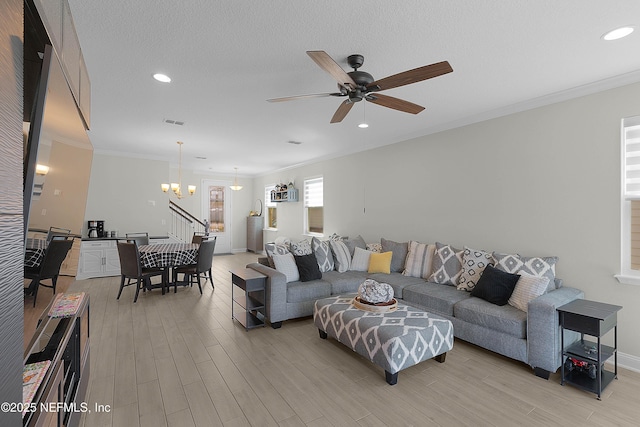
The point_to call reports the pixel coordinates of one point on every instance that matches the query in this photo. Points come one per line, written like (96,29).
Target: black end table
(583,360)
(250,304)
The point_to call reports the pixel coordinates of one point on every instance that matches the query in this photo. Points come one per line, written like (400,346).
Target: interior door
(217,204)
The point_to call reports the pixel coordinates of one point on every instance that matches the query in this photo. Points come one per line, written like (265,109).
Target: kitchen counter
(97,239)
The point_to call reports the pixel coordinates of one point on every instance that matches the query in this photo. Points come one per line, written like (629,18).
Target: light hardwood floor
(179,360)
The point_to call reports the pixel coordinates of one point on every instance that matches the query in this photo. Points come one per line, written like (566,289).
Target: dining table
(34,251)
(168,255)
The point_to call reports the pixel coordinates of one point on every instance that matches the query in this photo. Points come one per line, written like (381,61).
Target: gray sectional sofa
(532,337)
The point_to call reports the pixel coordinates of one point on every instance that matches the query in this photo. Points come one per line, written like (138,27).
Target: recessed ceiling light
(618,33)
(363,125)
(162,78)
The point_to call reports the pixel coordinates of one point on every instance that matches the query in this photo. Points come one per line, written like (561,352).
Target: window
(271,217)
(313,206)
(630,199)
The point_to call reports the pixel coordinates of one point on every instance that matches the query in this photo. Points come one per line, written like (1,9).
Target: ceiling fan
(359,85)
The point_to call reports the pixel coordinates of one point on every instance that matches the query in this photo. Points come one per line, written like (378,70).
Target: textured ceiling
(227,57)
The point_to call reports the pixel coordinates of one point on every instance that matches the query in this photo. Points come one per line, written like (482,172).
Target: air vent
(173,122)
(294,142)
(201,158)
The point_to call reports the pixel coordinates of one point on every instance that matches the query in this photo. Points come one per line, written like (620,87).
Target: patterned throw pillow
(399,250)
(447,265)
(301,248)
(528,288)
(473,264)
(275,249)
(341,256)
(536,266)
(286,264)
(419,260)
(322,251)
(374,247)
(360,260)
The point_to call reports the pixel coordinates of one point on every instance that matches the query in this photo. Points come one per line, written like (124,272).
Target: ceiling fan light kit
(359,85)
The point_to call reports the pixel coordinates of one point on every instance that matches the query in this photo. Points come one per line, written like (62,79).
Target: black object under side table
(583,360)
(248,307)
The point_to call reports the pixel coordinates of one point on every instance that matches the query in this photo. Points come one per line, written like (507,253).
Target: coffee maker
(95,228)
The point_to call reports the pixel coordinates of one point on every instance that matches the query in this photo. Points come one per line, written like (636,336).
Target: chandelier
(236,186)
(176,186)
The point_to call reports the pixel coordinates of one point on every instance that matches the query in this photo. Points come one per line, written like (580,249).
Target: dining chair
(198,236)
(131,269)
(49,268)
(202,267)
(140,238)
(57,231)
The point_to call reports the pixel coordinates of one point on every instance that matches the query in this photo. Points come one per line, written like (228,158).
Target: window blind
(313,193)
(632,161)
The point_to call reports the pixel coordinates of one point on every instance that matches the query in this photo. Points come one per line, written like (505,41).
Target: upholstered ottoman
(394,340)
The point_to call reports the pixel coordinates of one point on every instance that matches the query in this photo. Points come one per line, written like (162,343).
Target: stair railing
(183,224)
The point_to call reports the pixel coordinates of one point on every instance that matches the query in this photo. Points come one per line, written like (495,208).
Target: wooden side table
(248,307)
(594,319)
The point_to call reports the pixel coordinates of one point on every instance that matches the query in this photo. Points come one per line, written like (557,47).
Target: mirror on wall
(63,161)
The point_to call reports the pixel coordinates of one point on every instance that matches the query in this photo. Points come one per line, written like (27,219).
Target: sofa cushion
(528,288)
(275,249)
(360,261)
(505,318)
(419,260)
(537,266)
(433,297)
(356,242)
(322,251)
(495,286)
(341,256)
(474,262)
(308,291)
(286,265)
(399,250)
(308,267)
(380,263)
(397,281)
(447,265)
(302,247)
(344,283)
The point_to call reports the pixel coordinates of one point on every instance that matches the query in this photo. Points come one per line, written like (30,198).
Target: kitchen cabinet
(98,259)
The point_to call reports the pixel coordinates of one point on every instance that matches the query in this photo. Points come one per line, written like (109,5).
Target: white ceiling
(226,58)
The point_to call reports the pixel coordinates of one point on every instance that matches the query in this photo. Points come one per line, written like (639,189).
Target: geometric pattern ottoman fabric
(393,341)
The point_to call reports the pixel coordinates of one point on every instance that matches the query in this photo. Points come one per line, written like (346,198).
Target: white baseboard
(626,361)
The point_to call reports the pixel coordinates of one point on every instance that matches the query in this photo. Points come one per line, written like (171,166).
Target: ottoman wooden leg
(441,357)
(323,334)
(392,379)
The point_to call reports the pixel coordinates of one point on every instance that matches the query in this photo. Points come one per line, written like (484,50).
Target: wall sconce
(42,169)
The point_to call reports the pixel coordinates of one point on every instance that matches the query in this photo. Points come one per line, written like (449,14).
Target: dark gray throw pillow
(308,267)
(495,286)
(400,251)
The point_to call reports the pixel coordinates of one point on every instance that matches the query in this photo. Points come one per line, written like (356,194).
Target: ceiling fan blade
(411,76)
(342,111)
(327,63)
(314,95)
(395,103)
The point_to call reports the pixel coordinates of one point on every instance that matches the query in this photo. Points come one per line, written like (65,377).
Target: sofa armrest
(275,292)
(543,328)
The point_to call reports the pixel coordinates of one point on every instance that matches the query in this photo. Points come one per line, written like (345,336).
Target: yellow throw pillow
(380,263)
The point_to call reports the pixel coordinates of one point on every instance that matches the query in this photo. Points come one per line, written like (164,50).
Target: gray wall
(11,228)
(121,189)
(540,182)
